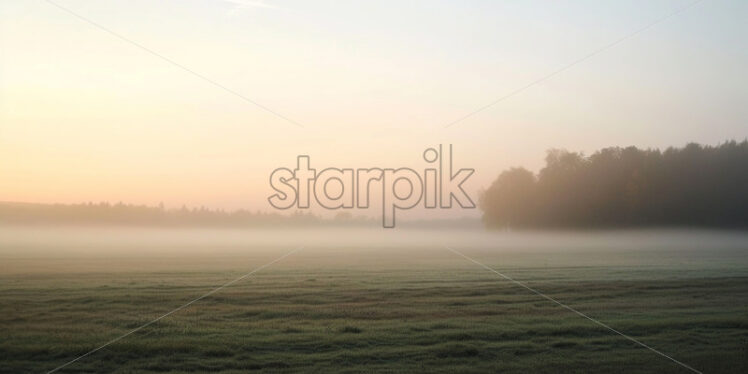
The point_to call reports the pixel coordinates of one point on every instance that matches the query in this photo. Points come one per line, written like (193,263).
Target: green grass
(377,310)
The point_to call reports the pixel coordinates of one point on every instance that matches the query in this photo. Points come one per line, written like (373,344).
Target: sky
(87,116)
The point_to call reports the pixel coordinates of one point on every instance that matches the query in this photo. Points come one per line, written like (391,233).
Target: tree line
(695,185)
(104,213)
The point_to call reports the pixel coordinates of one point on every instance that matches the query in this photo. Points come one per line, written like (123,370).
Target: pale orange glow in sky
(85,116)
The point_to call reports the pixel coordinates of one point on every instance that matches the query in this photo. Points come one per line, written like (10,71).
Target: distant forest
(695,185)
(141,215)
(106,214)
(704,186)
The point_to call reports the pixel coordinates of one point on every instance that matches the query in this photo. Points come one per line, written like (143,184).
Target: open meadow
(401,303)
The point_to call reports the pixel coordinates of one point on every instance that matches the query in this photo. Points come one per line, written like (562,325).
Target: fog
(61,241)
(33,253)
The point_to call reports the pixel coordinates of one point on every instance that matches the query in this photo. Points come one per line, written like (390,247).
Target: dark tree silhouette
(511,197)
(625,187)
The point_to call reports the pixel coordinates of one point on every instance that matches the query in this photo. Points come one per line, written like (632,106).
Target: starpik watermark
(438,186)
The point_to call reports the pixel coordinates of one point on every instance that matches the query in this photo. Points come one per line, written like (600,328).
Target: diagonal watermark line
(575,62)
(523,285)
(154,53)
(174,311)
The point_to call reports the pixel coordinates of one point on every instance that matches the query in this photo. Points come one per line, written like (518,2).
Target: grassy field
(369,309)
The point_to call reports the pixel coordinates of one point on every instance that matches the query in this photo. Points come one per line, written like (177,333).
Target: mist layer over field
(43,249)
(128,242)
